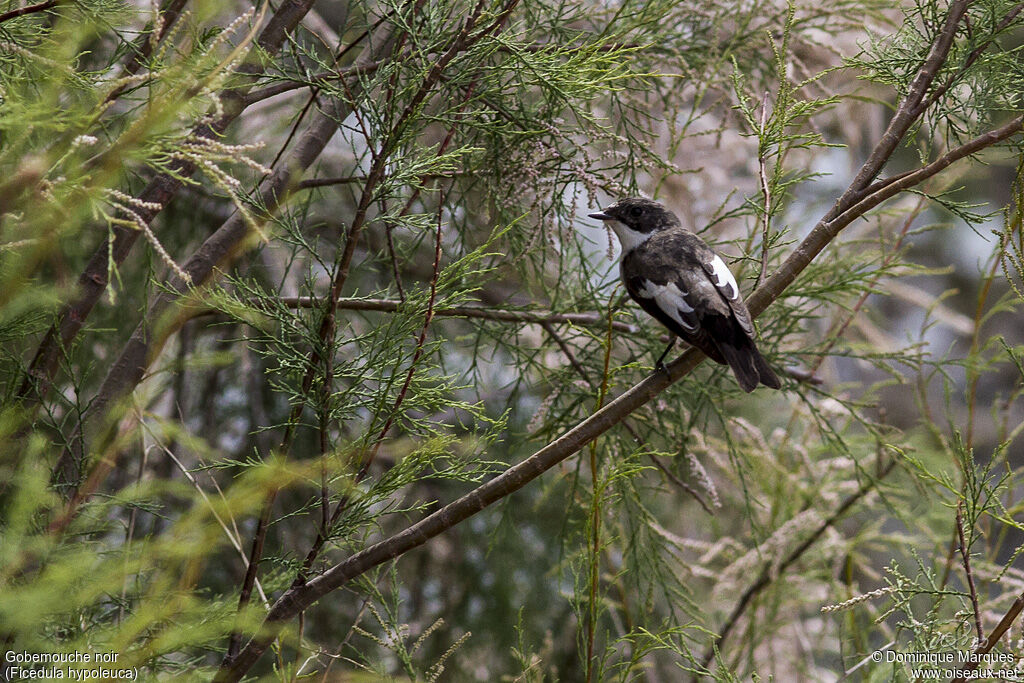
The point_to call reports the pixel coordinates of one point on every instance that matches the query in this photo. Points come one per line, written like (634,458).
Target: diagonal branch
(30,9)
(516,477)
(826,230)
(1001,26)
(165,314)
(158,193)
(908,113)
(985,646)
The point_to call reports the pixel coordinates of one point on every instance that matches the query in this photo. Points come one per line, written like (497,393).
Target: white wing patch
(670,299)
(723,277)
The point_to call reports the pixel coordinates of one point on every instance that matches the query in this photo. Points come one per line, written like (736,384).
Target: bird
(681,282)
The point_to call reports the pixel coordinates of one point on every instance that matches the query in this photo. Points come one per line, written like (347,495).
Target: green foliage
(707,534)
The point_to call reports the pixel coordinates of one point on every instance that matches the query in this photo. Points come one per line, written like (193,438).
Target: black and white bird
(687,287)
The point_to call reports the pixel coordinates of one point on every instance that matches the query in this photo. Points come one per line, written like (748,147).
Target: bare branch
(965,555)
(478,312)
(766,195)
(297,599)
(30,9)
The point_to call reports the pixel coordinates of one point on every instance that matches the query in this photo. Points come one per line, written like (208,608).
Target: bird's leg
(660,364)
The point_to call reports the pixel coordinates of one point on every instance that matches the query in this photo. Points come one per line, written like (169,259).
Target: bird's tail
(749,366)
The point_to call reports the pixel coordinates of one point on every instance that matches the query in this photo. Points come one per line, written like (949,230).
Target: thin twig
(420,344)
(316,81)
(353,179)
(567,352)
(766,193)
(540,317)
(396,271)
(965,555)
(597,491)
(231,533)
(803,376)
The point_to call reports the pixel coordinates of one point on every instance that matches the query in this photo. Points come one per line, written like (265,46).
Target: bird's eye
(635,212)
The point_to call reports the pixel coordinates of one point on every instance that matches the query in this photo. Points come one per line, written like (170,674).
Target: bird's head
(634,219)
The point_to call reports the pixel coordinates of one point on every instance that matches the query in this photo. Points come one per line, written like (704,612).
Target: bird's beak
(600,215)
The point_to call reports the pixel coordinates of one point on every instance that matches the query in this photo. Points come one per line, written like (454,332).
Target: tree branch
(30,9)
(477,312)
(158,192)
(985,646)
(298,599)
(826,230)
(908,112)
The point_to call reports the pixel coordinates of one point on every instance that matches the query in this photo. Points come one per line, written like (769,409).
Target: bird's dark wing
(689,289)
(666,276)
(725,283)
(736,341)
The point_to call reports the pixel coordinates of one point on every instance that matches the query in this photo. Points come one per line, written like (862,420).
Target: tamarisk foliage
(313,366)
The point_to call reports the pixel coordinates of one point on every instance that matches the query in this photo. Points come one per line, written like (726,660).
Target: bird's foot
(659,364)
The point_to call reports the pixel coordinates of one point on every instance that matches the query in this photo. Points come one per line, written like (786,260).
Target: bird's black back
(674,270)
